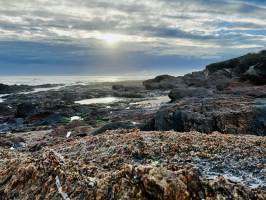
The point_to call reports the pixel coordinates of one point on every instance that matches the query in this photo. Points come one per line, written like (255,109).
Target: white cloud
(185,27)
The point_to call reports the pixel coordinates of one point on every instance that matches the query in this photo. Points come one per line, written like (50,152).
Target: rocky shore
(138,165)
(197,136)
(228,97)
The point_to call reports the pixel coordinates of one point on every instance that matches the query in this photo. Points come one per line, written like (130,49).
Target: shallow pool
(103,100)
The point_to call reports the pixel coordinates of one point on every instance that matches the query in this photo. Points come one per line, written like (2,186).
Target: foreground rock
(138,165)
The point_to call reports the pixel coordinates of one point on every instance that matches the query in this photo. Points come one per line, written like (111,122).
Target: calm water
(103,100)
(68,80)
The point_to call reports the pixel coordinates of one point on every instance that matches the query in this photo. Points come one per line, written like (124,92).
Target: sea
(67,80)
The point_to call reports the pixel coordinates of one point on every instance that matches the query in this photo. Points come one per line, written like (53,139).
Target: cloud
(152,28)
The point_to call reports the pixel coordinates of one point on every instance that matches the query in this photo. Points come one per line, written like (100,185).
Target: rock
(128,95)
(164,82)
(195,79)
(25,110)
(45,118)
(118,87)
(11,141)
(114,126)
(256,74)
(7,89)
(259,125)
(75,123)
(60,131)
(226,114)
(248,67)
(127,91)
(37,147)
(179,93)
(81,131)
(137,165)
(152,183)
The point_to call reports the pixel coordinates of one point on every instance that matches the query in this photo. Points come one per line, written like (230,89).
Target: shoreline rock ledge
(229,97)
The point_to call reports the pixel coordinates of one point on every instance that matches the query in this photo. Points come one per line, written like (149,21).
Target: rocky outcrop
(256,73)
(165,82)
(251,67)
(220,98)
(225,113)
(128,91)
(25,110)
(115,126)
(180,93)
(136,165)
(7,89)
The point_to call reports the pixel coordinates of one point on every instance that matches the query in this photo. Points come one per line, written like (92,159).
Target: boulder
(163,82)
(248,67)
(127,91)
(256,74)
(45,118)
(179,93)
(25,110)
(7,89)
(195,79)
(226,114)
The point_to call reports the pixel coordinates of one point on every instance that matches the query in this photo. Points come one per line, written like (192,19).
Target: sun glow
(111,39)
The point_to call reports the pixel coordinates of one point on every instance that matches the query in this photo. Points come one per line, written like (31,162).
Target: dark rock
(179,93)
(248,67)
(226,114)
(256,74)
(259,125)
(37,147)
(5,110)
(240,64)
(164,120)
(10,141)
(118,87)
(45,118)
(25,110)
(195,79)
(60,131)
(114,126)
(127,91)
(128,94)
(163,82)
(7,89)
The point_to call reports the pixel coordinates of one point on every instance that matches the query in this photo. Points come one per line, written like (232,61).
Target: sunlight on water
(152,103)
(99,100)
(1,99)
(68,80)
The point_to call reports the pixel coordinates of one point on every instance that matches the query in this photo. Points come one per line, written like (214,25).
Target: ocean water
(67,80)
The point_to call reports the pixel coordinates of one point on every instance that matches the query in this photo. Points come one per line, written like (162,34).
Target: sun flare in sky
(111,39)
(99,36)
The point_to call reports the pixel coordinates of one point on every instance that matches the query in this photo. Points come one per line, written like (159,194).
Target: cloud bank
(66,36)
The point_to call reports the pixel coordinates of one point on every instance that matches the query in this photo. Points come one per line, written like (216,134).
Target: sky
(116,37)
